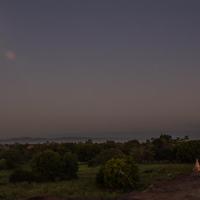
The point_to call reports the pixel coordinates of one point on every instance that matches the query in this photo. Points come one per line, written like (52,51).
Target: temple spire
(197,167)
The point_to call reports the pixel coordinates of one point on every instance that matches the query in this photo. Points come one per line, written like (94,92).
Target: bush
(119,174)
(20,175)
(47,165)
(70,166)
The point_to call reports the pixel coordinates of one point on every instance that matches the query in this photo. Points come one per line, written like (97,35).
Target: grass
(151,173)
(85,186)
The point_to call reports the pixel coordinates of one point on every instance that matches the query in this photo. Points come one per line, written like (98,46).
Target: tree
(20,175)
(87,151)
(106,155)
(47,165)
(164,147)
(13,157)
(188,151)
(70,166)
(128,146)
(3,164)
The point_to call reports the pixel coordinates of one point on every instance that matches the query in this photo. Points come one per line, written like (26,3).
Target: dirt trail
(181,188)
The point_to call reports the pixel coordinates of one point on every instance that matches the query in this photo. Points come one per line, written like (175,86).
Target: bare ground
(181,188)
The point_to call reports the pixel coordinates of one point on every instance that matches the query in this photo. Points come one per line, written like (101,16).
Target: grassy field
(156,172)
(85,186)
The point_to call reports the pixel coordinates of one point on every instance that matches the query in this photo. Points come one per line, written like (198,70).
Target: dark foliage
(47,165)
(106,155)
(121,174)
(20,175)
(188,151)
(70,166)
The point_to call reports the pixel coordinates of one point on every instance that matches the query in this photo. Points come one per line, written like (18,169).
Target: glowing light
(10,55)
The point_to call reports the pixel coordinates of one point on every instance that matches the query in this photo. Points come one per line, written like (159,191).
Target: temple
(197,167)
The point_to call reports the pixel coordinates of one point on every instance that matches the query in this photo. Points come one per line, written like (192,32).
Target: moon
(10,55)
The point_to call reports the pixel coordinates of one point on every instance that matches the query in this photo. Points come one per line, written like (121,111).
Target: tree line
(54,161)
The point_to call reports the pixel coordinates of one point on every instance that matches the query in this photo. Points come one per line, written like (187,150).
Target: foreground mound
(183,187)
(45,198)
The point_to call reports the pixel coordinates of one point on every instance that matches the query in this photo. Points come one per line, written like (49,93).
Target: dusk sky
(78,67)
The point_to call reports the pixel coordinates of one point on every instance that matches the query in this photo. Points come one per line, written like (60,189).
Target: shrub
(70,166)
(47,165)
(20,175)
(119,174)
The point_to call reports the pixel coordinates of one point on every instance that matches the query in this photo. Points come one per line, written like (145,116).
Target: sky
(99,67)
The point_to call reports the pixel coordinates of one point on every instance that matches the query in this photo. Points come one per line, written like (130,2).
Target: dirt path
(182,188)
